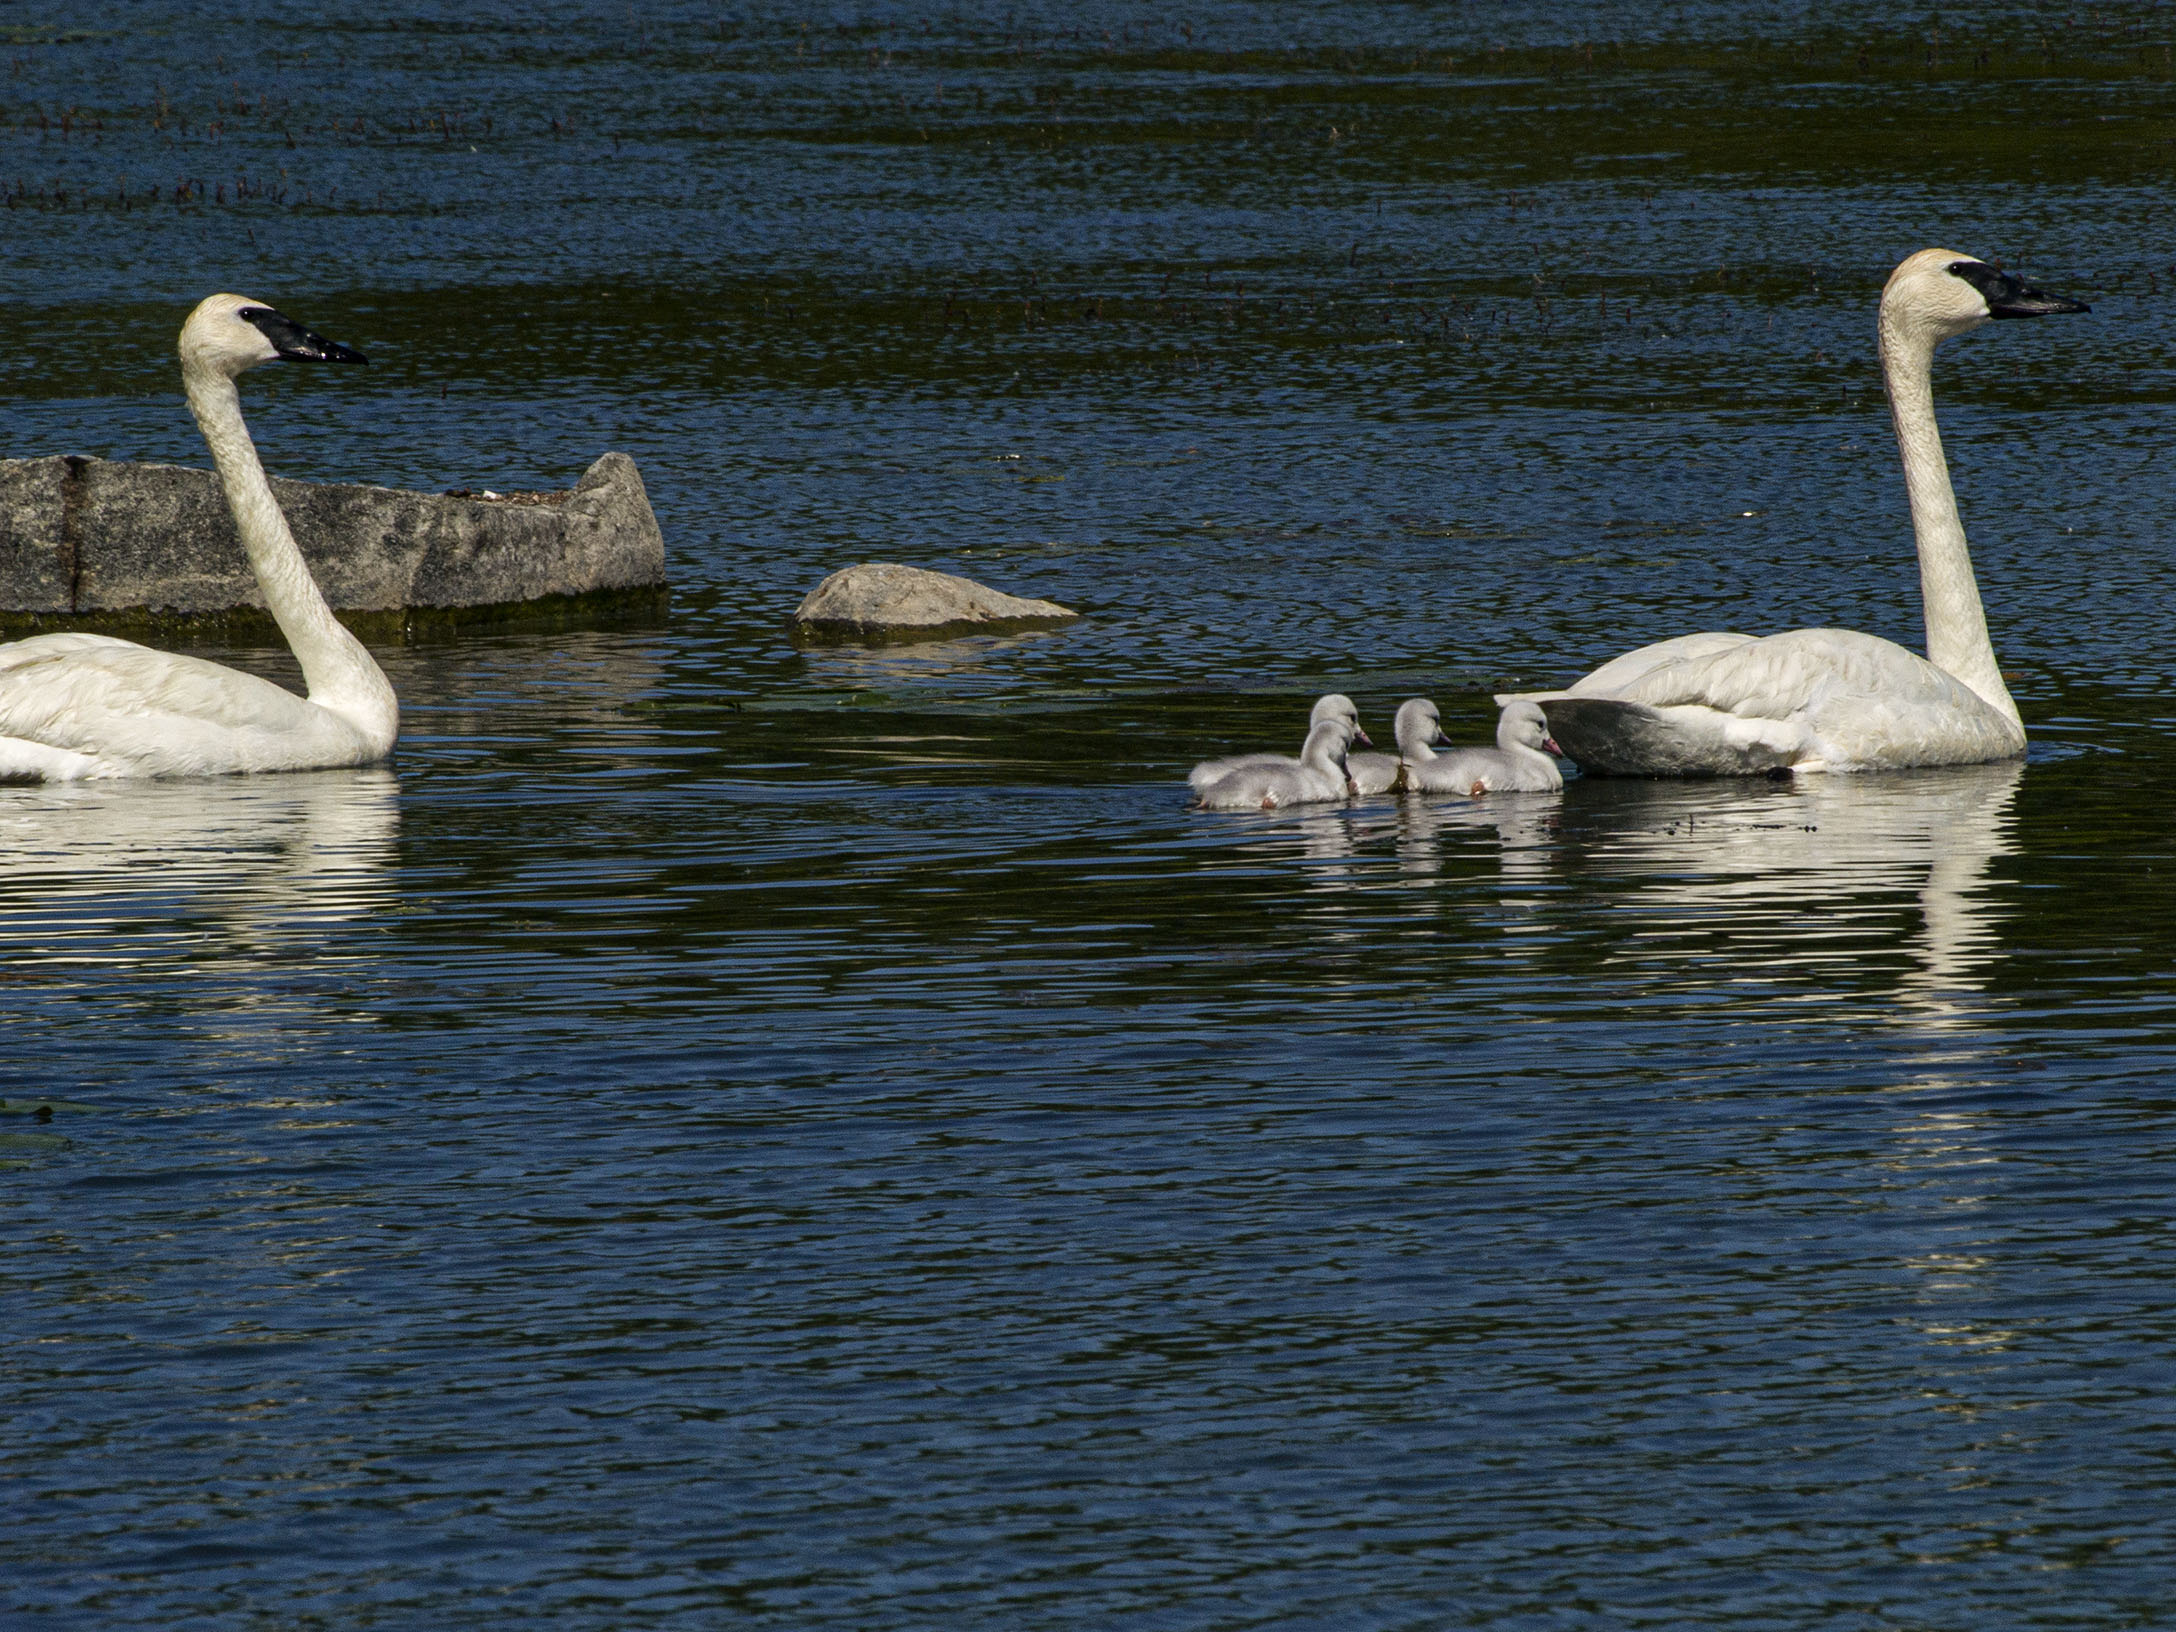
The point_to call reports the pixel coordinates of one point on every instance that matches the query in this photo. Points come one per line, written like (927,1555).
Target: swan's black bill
(2008,296)
(296,344)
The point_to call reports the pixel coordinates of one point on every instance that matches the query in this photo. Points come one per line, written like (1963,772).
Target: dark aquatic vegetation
(722,1132)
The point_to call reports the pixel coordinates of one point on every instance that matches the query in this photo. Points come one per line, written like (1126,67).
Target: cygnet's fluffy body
(1316,777)
(1519,763)
(1418,729)
(1334,706)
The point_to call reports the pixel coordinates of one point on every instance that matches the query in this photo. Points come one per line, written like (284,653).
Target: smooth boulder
(885,601)
(82,535)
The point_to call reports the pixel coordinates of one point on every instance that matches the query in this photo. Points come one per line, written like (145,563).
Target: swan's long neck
(1957,640)
(341,675)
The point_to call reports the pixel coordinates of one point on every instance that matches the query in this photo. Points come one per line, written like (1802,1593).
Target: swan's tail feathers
(1609,736)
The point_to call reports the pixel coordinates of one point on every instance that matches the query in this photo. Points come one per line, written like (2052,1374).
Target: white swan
(1417,729)
(1316,777)
(78,705)
(1833,699)
(1519,763)
(1332,706)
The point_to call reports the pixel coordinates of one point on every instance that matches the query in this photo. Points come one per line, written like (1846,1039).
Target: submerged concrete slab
(882,600)
(85,536)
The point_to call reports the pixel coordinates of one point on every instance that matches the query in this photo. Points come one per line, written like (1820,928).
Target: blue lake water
(722,1133)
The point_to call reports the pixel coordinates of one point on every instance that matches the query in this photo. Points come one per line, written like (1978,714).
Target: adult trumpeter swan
(81,705)
(1331,706)
(1519,763)
(1832,699)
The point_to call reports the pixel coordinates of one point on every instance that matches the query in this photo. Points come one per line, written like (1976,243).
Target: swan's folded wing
(1619,672)
(1611,679)
(89,692)
(1792,676)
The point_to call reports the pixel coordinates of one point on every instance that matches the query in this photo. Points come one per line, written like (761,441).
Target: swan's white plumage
(1622,671)
(1811,700)
(1519,763)
(1724,704)
(1316,777)
(1330,706)
(76,705)
(1417,728)
(95,706)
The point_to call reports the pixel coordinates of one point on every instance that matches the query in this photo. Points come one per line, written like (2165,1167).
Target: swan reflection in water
(107,871)
(1771,879)
(1868,891)
(1804,877)
(1525,825)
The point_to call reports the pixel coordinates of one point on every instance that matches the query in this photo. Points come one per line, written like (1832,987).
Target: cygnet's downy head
(1942,292)
(1336,705)
(1524,725)
(1418,726)
(231,334)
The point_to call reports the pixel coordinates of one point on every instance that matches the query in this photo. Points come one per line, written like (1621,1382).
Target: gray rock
(97,535)
(883,600)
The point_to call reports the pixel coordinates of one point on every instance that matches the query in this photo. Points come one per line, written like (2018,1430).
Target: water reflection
(91,872)
(1803,877)
(959,663)
(1525,825)
(583,692)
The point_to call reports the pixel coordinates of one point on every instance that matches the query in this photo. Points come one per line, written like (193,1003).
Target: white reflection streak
(84,864)
(1805,878)
(1524,825)
(1804,865)
(1326,849)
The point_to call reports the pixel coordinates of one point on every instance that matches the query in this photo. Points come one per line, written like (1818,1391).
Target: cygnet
(1335,706)
(1316,777)
(1519,763)
(1417,729)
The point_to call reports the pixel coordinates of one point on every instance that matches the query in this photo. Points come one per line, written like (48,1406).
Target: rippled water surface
(726,1134)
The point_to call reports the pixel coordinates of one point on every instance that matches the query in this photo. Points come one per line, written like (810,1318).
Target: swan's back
(1613,677)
